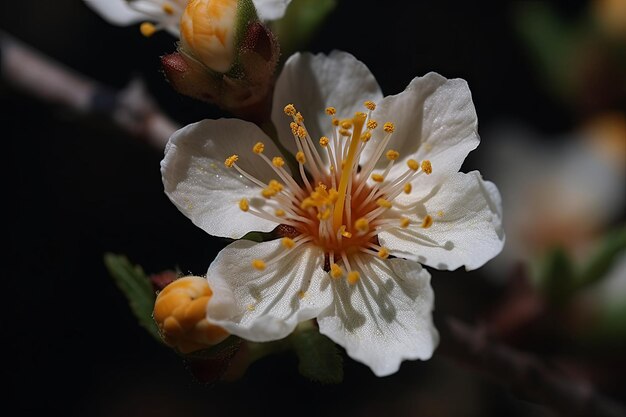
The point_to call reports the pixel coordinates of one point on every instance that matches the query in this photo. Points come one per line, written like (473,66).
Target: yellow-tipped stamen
(383,253)
(413,164)
(244,205)
(299,118)
(346,174)
(324,141)
(278,162)
(336,271)
(279,213)
(407,188)
(301,133)
(258,264)
(288,243)
(290,110)
(392,155)
(427,222)
(258,148)
(294,128)
(147,29)
(344,132)
(230,161)
(389,127)
(370,105)
(335,122)
(353,277)
(372,124)
(300,157)
(378,178)
(427,167)
(440,213)
(404,222)
(365,137)
(362,225)
(383,203)
(331,111)
(168,9)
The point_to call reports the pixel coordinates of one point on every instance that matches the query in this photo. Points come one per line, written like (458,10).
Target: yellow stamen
(168,9)
(408,188)
(147,29)
(290,110)
(344,232)
(365,137)
(427,222)
(336,271)
(383,203)
(294,127)
(404,222)
(324,215)
(372,124)
(346,174)
(362,225)
(353,277)
(299,118)
(344,132)
(388,127)
(279,213)
(378,178)
(258,264)
(276,185)
(244,205)
(383,253)
(230,161)
(413,164)
(392,155)
(331,111)
(278,162)
(440,213)
(288,243)
(301,132)
(346,124)
(258,148)
(300,157)
(427,167)
(335,122)
(370,105)
(324,141)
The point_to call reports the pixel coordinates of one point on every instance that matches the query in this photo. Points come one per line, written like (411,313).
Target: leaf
(557,277)
(603,259)
(136,287)
(319,358)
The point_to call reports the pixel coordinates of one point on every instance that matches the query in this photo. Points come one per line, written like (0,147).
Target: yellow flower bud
(207,32)
(180,312)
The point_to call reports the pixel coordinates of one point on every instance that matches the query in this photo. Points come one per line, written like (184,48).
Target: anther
(288,242)
(413,164)
(300,157)
(336,271)
(378,178)
(279,212)
(427,167)
(370,105)
(258,148)
(427,222)
(258,264)
(301,132)
(331,111)
(365,137)
(404,222)
(294,127)
(353,277)
(408,188)
(392,155)
(362,225)
(168,9)
(346,124)
(230,161)
(388,127)
(324,141)
(383,203)
(335,122)
(244,205)
(299,118)
(383,253)
(278,162)
(290,110)
(344,132)
(147,29)
(372,124)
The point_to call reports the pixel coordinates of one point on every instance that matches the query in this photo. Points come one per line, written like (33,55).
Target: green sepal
(136,286)
(229,344)
(319,358)
(246,13)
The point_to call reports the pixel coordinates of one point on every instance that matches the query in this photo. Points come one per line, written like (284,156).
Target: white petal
(271,9)
(434,119)
(466,230)
(270,303)
(386,317)
(314,82)
(207,192)
(116,12)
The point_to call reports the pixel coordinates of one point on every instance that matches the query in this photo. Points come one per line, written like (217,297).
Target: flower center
(340,204)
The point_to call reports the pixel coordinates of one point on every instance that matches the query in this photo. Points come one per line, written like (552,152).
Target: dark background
(78,187)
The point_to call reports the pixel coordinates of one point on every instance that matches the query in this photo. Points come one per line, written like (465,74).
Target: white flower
(357,216)
(166,14)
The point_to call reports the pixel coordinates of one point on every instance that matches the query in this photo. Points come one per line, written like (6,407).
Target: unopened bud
(180,312)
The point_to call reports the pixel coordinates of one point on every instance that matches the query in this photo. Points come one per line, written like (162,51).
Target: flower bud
(210,30)
(180,312)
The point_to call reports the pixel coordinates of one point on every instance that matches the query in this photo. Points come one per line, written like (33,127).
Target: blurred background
(549,84)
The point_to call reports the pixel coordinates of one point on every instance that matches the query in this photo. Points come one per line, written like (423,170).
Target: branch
(525,373)
(132,108)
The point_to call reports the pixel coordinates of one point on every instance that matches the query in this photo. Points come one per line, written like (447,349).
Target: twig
(525,373)
(131,108)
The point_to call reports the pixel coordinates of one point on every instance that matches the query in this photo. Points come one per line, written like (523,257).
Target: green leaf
(258,236)
(557,277)
(602,261)
(319,358)
(136,287)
